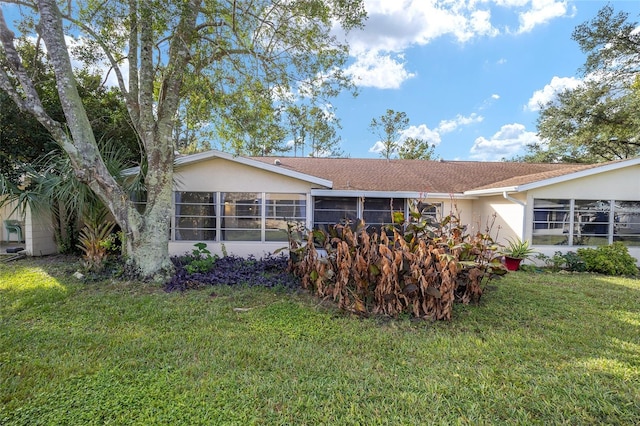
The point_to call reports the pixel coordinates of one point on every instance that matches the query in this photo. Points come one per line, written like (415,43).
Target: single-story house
(244,203)
(241,205)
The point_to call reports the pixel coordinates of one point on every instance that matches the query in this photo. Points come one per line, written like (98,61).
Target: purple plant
(269,271)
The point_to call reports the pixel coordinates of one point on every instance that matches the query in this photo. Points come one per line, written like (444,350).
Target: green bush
(201,260)
(613,259)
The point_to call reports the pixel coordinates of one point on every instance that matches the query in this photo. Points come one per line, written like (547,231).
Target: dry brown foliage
(417,268)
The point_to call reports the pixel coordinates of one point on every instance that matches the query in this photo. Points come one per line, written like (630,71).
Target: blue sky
(468,74)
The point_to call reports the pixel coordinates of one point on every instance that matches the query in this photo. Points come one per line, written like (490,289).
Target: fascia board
(559,179)
(381,194)
(581,174)
(492,191)
(203,156)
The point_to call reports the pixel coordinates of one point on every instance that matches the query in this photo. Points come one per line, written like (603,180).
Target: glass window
(281,209)
(334,210)
(591,222)
(378,212)
(551,219)
(241,216)
(627,222)
(195,216)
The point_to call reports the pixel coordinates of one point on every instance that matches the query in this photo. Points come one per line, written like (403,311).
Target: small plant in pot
(515,252)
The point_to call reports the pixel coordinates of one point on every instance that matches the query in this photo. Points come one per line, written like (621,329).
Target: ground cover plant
(540,349)
(200,268)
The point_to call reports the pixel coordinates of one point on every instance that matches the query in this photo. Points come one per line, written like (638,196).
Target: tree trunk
(149,251)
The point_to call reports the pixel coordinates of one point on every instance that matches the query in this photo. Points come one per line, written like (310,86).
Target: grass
(539,349)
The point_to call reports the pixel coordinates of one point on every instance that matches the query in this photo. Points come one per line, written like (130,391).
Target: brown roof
(420,175)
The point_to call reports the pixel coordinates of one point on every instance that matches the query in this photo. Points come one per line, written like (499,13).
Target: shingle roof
(420,175)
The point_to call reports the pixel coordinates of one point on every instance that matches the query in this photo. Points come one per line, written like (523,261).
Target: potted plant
(515,252)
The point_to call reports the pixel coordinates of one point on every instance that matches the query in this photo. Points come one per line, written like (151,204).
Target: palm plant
(51,186)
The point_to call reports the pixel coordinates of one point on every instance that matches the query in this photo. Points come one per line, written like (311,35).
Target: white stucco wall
(509,216)
(37,231)
(222,175)
(39,240)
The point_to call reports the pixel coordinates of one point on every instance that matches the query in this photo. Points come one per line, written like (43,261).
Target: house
(244,203)
(241,205)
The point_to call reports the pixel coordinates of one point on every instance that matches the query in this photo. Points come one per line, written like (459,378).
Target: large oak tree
(233,59)
(600,119)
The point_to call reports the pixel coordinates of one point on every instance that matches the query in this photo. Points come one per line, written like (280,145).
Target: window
(281,209)
(431,212)
(551,221)
(195,216)
(241,216)
(627,222)
(378,212)
(585,222)
(590,222)
(333,210)
(236,216)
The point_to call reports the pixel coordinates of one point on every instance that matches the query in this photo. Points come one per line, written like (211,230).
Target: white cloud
(549,92)
(372,69)
(377,148)
(447,126)
(541,12)
(421,132)
(507,142)
(432,136)
(394,26)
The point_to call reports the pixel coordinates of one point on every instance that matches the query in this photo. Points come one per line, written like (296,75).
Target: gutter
(524,215)
(513,200)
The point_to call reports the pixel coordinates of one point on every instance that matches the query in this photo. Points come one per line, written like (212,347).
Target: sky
(469,74)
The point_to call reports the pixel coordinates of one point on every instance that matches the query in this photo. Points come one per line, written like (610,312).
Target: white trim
(382,194)
(558,179)
(491,191)
(583,173)
(189,159)
(207,155)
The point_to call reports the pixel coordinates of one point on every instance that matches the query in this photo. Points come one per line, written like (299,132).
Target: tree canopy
(229,63)
(390,128)
(600,119)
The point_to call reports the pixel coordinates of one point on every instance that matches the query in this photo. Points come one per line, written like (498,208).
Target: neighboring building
(36,231)
(244,203)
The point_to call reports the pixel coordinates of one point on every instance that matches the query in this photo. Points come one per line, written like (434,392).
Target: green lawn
(539,349)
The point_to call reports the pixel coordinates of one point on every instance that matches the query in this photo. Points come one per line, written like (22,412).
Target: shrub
(613,259)
(201,260)
(417,268)
(569,261)
(93,241)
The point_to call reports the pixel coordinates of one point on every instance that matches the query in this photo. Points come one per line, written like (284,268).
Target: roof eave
(383,194)
(492,191)
(207,155)
(580,174)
